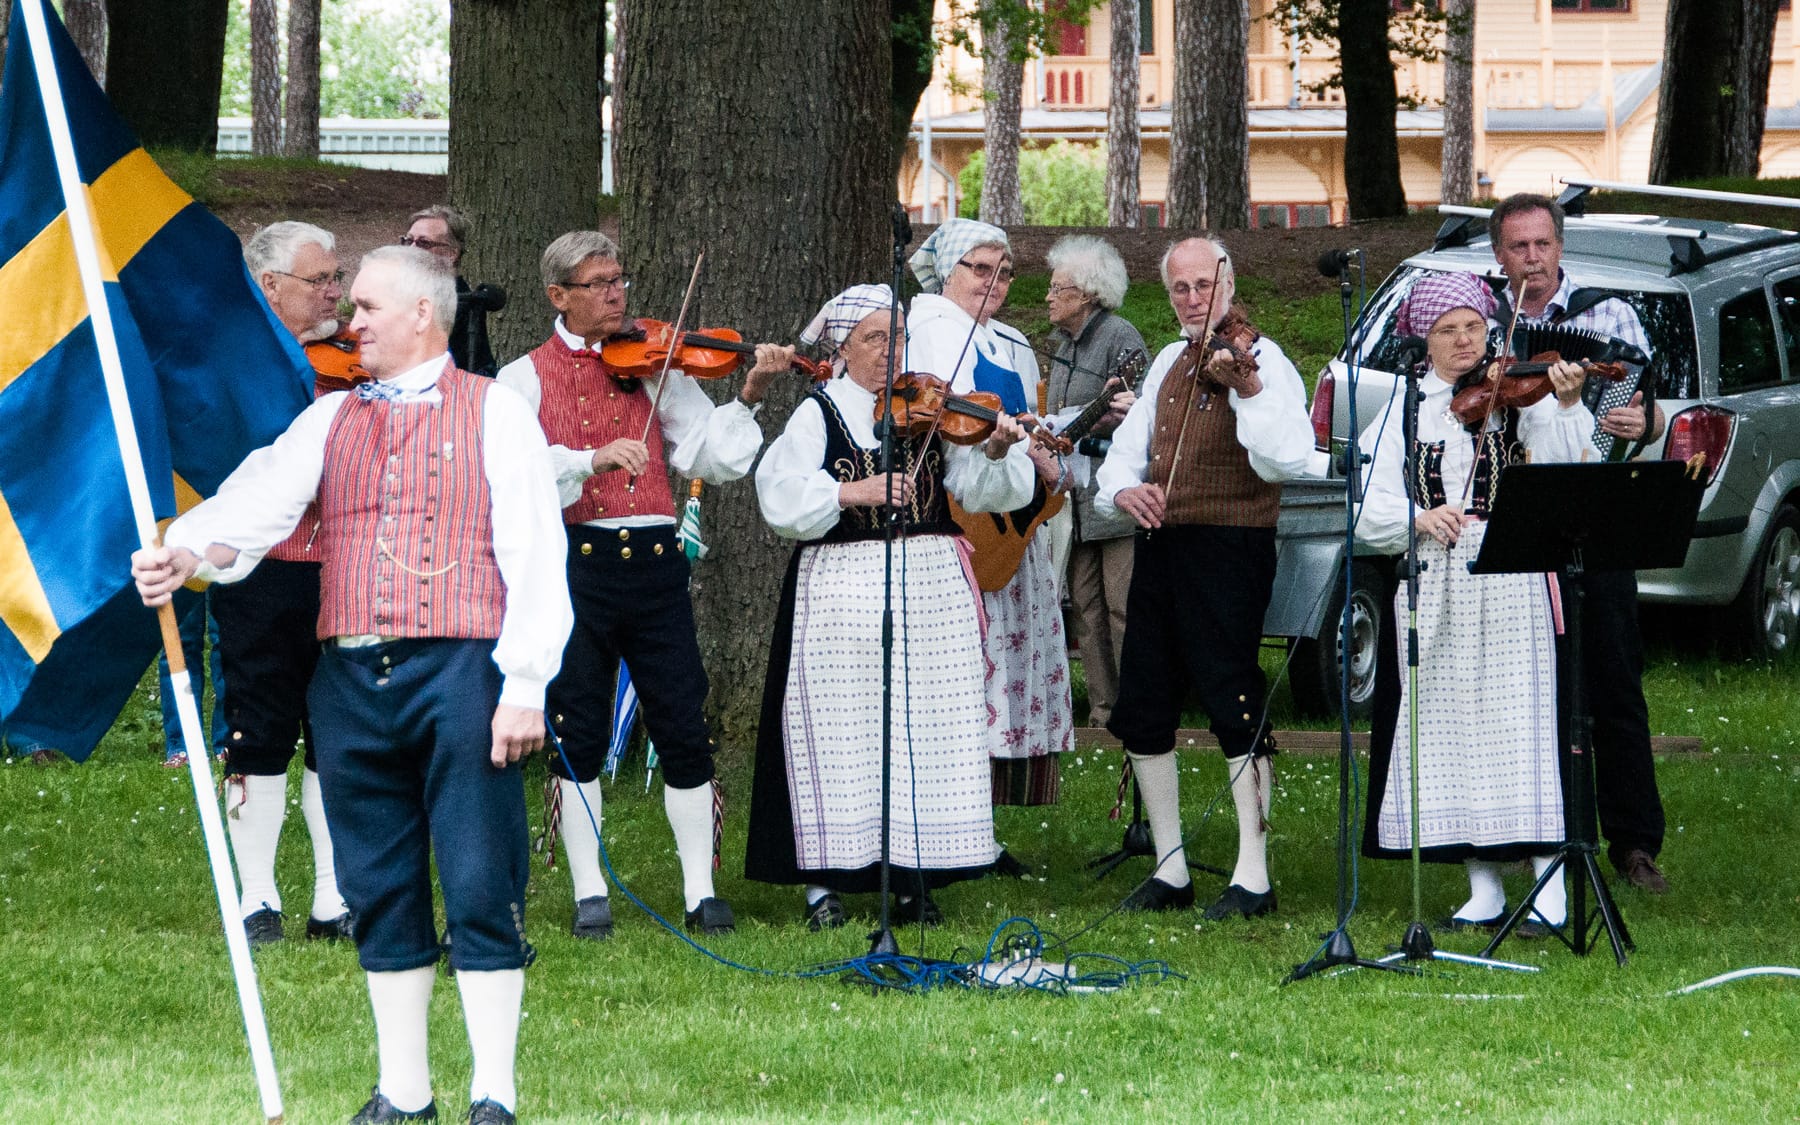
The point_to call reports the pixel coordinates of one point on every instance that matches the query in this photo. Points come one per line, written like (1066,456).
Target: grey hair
(420,274)
(564,256)
(275,247)
(1092,266)
(1227,271)
(455,220)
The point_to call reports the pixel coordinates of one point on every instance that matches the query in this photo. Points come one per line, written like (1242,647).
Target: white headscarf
(845,311)
(932,262)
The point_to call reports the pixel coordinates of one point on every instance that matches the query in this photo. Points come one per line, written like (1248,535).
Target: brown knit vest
(1214,483)
(582,407)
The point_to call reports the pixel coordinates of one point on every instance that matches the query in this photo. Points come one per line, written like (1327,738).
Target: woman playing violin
(966,269)
(815,812)
(1489,790)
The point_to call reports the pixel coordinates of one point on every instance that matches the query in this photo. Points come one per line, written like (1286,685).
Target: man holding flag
(443,612)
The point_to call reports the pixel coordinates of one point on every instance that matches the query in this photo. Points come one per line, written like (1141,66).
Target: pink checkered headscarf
(1438,293)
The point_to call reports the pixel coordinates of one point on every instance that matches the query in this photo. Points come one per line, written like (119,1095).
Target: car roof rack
(1687,245)
(1574,198)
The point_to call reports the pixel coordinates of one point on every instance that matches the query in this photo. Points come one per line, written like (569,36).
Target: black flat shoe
(1535,930)
(1154,894)
(826,914)
(1237,902)
(1456,925)
(380,1111)
(923,909)
(593,918)
(711,918)
(487,1111)
(329,929)
(1008,864)
(264,927)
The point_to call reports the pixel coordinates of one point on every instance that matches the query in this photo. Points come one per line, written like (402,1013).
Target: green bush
(1063,185)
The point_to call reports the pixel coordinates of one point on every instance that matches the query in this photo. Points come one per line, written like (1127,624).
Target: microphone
(487,298)
(1333,263)
(902,222)
(1409,350)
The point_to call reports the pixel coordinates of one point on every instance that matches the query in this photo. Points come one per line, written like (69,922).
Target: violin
(1236,335)
(923,404)
(1522,383)
(710,353)
(336,363)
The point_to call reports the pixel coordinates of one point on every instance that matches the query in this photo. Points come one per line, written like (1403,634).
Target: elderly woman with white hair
(815,816)
(965,269)
(1489,789)
(1093,342)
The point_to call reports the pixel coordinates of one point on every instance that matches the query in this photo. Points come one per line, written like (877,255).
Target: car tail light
(1700,430)
(1323,396)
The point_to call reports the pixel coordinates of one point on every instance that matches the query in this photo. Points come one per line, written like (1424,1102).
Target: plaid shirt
(1611,317)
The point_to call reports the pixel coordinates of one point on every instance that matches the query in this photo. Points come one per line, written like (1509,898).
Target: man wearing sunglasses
(442,230)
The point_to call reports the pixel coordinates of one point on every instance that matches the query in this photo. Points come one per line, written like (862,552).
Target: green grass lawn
(120,1004)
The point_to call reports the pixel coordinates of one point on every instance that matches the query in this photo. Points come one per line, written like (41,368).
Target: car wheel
(1314,674)
(1767,612)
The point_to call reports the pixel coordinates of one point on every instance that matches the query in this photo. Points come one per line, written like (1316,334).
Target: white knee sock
(1487,896)
(327,903)
(255,830)
(1158,779)
(580,844)
(402,1004)
(1553,901)
(1251,785)
(691,816)
(491,1003)
(814,892)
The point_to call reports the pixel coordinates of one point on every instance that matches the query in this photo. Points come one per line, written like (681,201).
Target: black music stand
(1572,519)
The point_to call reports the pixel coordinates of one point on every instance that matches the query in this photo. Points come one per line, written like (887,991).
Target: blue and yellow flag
(212,375)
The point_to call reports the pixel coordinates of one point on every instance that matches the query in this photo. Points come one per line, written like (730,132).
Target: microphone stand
(881,942)
(1338,949)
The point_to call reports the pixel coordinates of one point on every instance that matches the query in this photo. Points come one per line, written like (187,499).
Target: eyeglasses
(428,244)
(1056,289)
(987,272)
(619,282)
(323,281)
(1460,332)
(1182,291)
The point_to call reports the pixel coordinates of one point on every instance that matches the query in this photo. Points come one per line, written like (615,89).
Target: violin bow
(1493,398)
(1187,411)
(662,378)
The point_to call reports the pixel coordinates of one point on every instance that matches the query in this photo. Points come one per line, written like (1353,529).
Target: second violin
(710,353)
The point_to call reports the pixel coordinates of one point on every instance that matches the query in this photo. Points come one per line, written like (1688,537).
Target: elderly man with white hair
(443,615)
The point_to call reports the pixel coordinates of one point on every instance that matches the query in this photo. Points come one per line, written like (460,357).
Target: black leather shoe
(263,927)
(380,1111)
(1640,870)
(1237,902)
(1456,925)
(1154,894)
(914,911)
(1535,929)
(487,1111)
(711,918)
(330,929)
(1008,864)
(826,914)
(593,918)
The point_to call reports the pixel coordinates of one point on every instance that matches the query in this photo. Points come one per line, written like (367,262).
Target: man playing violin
(267,646)
(1197,463)
(628,576)
(1526,232)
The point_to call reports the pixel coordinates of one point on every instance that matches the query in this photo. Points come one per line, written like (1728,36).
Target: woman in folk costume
(1489,788)
(815,816)
(965,269)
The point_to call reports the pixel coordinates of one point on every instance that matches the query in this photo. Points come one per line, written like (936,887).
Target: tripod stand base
(1583,863)
(1135,843)
(1340,952)
(882,943)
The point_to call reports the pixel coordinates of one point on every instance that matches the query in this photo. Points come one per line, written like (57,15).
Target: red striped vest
(406,535)
(337,366)
(581,407)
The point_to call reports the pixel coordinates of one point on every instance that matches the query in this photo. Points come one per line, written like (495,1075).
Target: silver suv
(1720,302)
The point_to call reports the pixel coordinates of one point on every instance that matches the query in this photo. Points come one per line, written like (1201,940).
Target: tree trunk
(165,60)
(1748,104)
(301,136)
(784,186)
(265,78)
(524,145)
(1187,119)
(1002,82)
(1225,115)
(1372,173)
(1457,181)
(618,85)
(1124,138)
(86,21)
(1690,104)
(912,52)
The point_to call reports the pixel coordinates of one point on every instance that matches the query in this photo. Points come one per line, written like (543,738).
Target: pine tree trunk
(1372,170)
(86,21)
(165,60)
(1124,138)
(1457,180)
(301,134)
(784,185)
(265,78)
(1002,82)
(912,51)
(1187,120)
(618,85)
(1225,107)
(524,145)
(1748,105)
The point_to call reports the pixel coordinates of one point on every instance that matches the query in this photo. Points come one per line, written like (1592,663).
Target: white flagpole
(87,257)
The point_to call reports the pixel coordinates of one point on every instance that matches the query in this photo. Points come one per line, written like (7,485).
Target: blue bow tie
(375,391)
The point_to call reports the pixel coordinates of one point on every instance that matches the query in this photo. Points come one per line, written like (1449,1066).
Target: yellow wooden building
(1562,88)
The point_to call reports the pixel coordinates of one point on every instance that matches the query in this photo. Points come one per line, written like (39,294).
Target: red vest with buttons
(337,366)
(581,407)
(406,532)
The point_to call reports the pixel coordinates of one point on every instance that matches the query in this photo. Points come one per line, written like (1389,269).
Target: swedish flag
(212,375)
